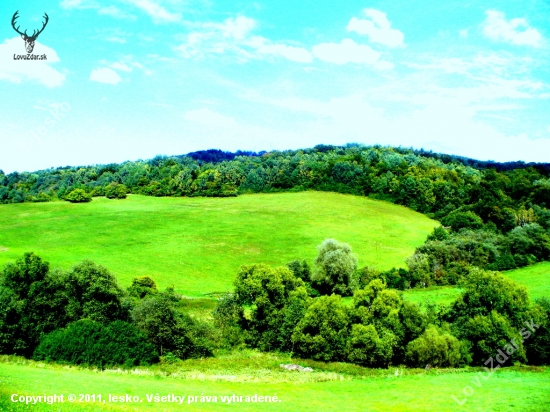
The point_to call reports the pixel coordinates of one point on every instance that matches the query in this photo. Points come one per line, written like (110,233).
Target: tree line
(415,179)
(82,316)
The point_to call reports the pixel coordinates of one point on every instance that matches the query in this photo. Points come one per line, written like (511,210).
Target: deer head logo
(29,40)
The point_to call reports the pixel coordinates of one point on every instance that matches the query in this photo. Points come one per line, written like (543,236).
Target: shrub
(142,287)
(267,292)
(300,269)
(227,315)
(488,334)
(322,333)
(116,191)
(169,330)
(365,346)
(90,343)
(462,220)
(78,196)
(434,347)
(538,345)
(19,276)
(94,294)
(335,266)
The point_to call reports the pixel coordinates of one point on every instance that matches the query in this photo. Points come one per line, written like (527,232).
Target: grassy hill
(536,278)
(197,244)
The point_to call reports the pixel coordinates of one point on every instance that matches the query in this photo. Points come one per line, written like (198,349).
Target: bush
(142,287)
(227,314)
(116,191)
(488,334)
(94,294)
(530,239)
(169,330)
(462,220)
(335,267)
(439,233)
(300,269)
(435,348)
(267,292)
(19,276)
(365,346)
(78,196)
(538,345)
(86,342)
(322,333)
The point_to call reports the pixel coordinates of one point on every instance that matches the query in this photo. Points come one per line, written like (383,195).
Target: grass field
(197,244)
(536,278)
(510,389)
(444,295)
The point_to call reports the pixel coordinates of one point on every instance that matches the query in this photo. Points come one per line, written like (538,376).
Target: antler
(15,16)
(35,34)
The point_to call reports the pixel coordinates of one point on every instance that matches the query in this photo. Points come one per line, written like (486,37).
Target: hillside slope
(197,244)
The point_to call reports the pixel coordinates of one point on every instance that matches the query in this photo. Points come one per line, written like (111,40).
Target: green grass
(509,389)
(198,244)
(443,295)
(536,278)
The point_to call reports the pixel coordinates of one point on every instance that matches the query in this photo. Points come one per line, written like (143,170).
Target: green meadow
(440,295)
(359,389)
(197,244)
(535,278)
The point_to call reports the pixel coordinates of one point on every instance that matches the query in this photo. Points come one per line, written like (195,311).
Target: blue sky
(130,79)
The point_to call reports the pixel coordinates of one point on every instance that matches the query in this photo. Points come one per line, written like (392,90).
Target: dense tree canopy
(83,316)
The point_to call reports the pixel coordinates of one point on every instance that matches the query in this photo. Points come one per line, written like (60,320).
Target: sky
(132,79)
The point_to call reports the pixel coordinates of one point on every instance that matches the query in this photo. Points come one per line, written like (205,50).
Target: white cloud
(516,31)
(156,11)
(485,77)
(378,28)
(71,4)
(237,28)
(346,52)
(384,65)
(217,38)
(112,11)
(18,71)
(296,54)
(115,12)
(121,66)
(105,75)
(234,36)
